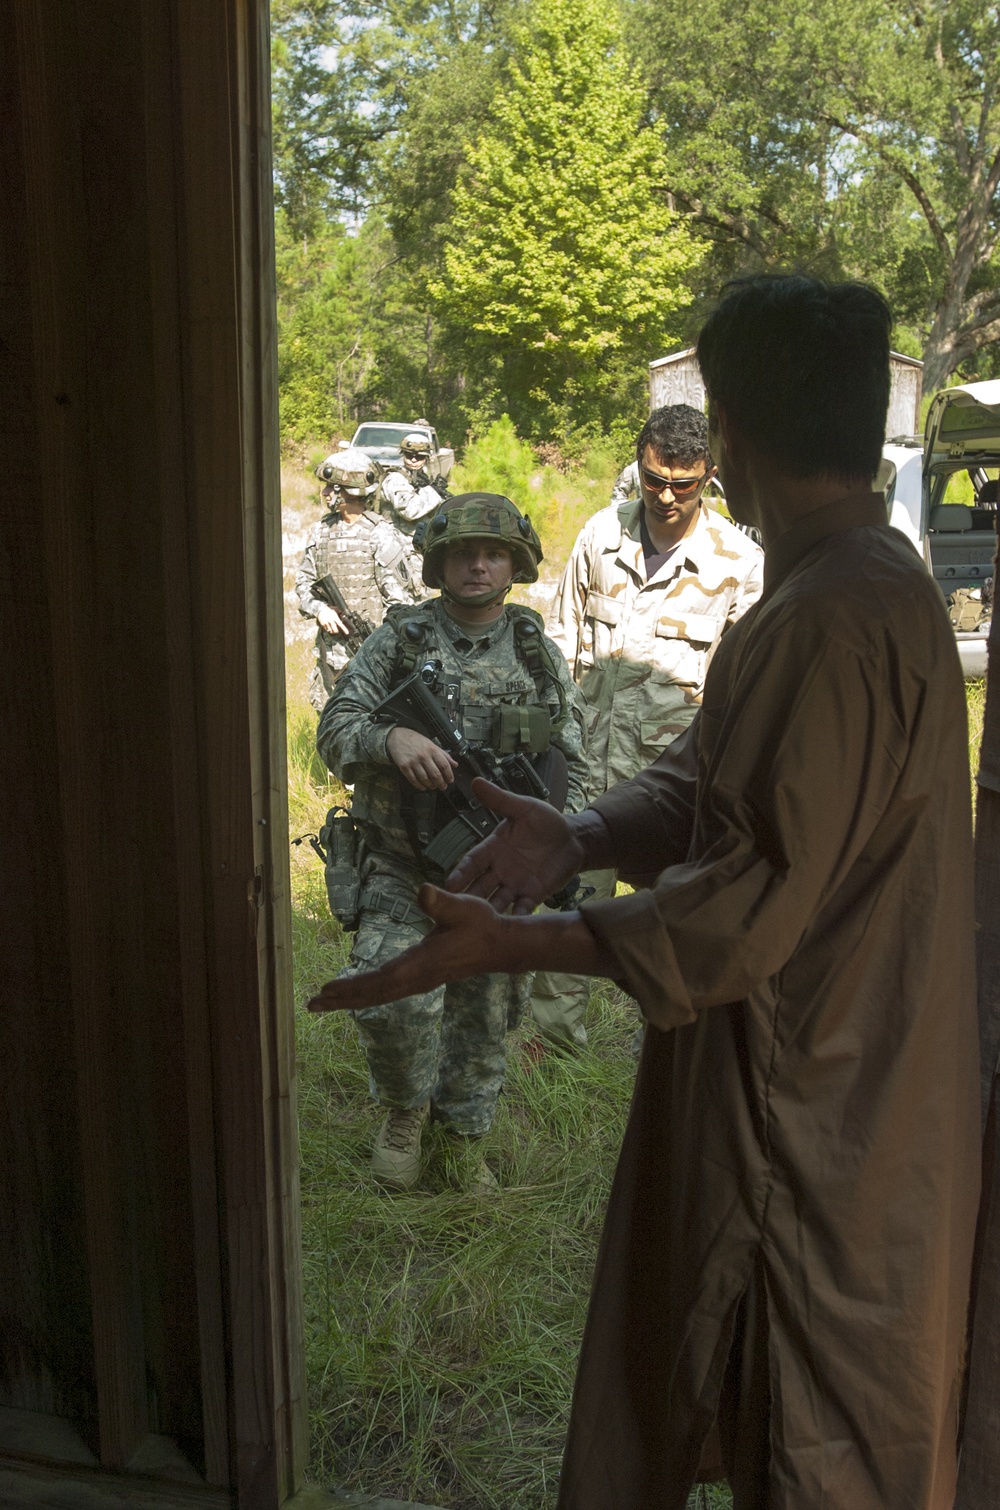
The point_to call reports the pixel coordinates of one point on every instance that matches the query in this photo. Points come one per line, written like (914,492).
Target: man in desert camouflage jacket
(648,590)
(509,690)
(364,554)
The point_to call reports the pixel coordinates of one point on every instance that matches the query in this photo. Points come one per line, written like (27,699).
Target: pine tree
(563,262)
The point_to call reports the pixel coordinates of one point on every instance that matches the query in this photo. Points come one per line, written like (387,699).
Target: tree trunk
(979,1473)
(945,348)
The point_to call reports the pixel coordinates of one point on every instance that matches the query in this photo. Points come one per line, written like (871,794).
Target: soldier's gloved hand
(420,479)
(527,858)
(329,619)
(424,764)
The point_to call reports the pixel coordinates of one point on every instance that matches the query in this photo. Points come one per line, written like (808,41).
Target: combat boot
(396,1155)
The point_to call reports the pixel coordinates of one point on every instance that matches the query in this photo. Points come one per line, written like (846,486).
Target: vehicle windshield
(382,435)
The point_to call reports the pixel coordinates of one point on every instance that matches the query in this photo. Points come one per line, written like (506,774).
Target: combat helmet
(478,516)
(351,470)
(415,444)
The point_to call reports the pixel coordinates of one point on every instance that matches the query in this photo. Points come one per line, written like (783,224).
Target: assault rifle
(415,704)
(422,479)
(358,627)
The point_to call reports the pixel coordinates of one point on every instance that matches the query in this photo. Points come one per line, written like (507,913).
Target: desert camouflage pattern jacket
(639,650)
(484,661)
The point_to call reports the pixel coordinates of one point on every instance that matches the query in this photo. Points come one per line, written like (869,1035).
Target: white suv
(958,541)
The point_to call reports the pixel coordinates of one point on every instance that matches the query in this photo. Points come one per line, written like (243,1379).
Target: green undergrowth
(975,697)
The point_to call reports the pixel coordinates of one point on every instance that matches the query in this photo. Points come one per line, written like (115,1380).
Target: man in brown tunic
(788,1241)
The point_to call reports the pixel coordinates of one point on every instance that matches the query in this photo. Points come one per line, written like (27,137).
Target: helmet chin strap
(486,601)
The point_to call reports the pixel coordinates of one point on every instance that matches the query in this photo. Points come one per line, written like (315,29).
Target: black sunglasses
(681,487)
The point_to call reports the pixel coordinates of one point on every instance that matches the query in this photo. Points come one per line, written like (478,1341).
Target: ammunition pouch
(525,729)
(339,843)
(967,609)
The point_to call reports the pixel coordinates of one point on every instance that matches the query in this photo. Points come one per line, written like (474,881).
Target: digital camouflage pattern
(639,650)
(405,502)
(479,516)
(446,1045)
(372,566)
(626,484)
(484,661)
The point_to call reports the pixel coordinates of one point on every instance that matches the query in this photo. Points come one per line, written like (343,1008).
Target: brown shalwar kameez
(800,1169)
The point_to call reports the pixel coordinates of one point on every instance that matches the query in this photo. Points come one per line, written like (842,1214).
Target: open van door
(959,539)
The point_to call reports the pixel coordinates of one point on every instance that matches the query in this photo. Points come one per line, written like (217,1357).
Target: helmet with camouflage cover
(415,444)
(478,516)
(351,470)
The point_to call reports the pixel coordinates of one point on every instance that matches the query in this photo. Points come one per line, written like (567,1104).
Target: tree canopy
(559,263)
(496,206)
(855,138)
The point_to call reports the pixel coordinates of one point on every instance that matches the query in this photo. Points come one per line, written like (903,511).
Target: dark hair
(802,367)
(677,432)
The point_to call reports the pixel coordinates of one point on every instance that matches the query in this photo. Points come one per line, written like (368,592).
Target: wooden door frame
(175,273)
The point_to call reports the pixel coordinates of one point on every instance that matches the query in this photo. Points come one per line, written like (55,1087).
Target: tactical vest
(345,553)
(506,729)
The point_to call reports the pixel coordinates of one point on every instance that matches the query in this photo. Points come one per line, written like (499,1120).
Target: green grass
(442,1330)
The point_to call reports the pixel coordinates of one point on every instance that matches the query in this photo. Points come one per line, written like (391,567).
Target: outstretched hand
(527,858)
(469,939)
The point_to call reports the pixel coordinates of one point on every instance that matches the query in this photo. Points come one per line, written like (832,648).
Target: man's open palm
(469,939)
(528,858)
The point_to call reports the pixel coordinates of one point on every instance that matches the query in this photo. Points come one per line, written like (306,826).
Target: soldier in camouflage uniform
(365,555)
(648,590)
(626,484)
(409,495)
(443,1051)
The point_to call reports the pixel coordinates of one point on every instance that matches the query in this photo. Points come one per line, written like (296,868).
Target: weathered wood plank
(226,233)
(52,1489)
(46,1358)
(144,575)
(56,197)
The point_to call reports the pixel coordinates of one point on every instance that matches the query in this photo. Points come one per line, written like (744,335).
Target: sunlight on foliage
(557,255)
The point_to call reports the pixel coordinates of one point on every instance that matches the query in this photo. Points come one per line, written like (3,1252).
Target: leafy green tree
(851,137)
(346,75)
(917,93)
(351,343)
(372,106)
(562,264)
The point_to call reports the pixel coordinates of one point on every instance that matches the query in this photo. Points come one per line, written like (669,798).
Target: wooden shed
(677,380)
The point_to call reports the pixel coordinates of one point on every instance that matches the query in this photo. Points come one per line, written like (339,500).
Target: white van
(958,541)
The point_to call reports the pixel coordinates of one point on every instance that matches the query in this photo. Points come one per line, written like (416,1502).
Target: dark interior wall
(45,1340)
(149,1283)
